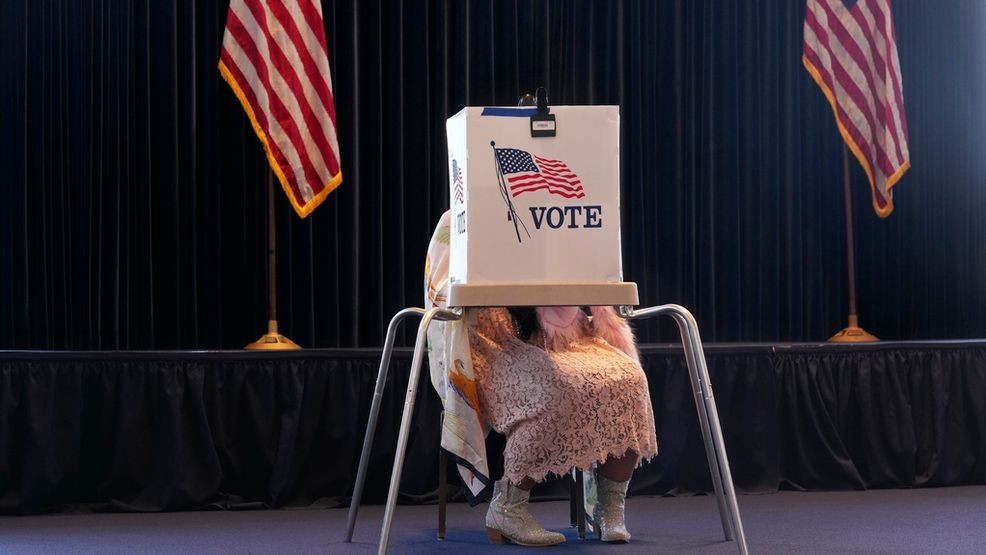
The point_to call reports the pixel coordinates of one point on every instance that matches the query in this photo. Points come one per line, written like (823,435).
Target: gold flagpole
(272,340)
(852,333)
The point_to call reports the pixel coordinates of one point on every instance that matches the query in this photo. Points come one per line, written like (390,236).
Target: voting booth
(536,218)
(534,197)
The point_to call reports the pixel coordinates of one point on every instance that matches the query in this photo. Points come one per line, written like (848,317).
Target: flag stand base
(272,341)
(853,333)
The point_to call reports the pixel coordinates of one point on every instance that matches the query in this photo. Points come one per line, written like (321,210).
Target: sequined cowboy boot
(508,519)
(607,515)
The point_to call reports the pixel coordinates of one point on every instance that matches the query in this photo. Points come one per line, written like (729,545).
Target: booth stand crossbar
(698,373)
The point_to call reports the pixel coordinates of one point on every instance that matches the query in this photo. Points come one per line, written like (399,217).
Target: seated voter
(566,388)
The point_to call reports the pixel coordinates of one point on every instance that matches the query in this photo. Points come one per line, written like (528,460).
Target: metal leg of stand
(715,426)
(705,397)
(694,359)
(371,426)
(442,485)
(722,480)
(412,388)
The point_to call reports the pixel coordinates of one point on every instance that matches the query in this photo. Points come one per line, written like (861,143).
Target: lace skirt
(559,409)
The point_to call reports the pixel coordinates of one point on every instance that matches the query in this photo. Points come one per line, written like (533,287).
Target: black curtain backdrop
(151,431)
(132,200)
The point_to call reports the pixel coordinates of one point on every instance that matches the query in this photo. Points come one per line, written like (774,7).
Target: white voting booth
(535,208)
(534,211)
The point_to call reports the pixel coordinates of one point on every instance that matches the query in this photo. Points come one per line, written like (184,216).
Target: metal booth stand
(621,295)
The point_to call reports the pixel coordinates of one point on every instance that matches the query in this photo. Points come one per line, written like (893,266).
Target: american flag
(275,59)
(850,50)
(525,172)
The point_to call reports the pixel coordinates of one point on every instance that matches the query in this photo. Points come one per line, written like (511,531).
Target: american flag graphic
(275,59)
(459,190)
(526,172)
(850,49)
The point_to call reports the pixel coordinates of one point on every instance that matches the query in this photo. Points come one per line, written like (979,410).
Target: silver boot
(508,519)
(607,515)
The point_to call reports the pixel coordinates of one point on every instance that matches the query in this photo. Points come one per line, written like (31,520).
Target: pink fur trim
(560,325)
(615,330)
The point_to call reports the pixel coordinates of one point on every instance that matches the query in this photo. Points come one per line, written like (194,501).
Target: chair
(617,294)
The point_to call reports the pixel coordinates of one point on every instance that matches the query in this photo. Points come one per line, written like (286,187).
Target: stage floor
(928,520)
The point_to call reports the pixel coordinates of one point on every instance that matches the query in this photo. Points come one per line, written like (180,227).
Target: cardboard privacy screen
(535,210)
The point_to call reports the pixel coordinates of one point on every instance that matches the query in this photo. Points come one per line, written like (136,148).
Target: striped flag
(850,50)
(526,172)
(275,59)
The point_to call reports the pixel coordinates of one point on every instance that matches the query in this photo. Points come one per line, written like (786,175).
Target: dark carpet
(932,520)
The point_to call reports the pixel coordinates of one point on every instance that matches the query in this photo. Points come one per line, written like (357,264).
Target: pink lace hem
(560,408)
